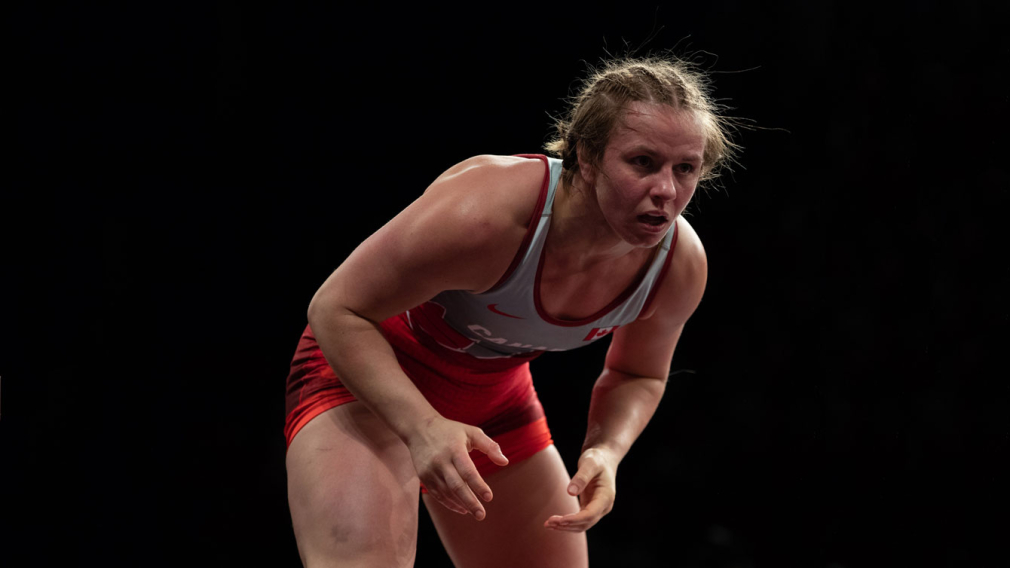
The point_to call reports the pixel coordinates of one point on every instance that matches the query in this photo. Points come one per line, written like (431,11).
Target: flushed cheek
(682,201)
(619,203)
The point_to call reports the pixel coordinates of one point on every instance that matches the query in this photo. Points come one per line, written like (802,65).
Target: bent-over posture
(414,369)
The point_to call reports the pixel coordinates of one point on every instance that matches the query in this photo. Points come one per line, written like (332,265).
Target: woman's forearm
(366,364)
(621,407)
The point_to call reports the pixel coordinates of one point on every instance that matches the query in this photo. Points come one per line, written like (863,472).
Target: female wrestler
(430,323)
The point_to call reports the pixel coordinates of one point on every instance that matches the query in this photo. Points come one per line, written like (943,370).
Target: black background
(185,176)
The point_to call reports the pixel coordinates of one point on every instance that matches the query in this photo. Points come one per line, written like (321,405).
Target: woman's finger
(588,469)
(443,498)
(468,471)
(599,505)
(571,523)
(478,440)
(458,488)
(558,524)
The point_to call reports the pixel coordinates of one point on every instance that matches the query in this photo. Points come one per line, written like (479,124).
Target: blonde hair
(604,98)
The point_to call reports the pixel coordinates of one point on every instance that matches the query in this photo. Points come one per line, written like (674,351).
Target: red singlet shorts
(496,395)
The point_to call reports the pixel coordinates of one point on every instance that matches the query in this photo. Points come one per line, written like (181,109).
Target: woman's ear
(586,170)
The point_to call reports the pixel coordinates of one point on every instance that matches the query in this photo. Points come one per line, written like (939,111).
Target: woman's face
(649,171)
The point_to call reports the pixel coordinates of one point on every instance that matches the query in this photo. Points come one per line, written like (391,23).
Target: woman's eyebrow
(646,149)
(642,149)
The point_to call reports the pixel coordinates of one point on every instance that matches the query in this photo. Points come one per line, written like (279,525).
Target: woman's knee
(355,544)
(352,492)
(526,494)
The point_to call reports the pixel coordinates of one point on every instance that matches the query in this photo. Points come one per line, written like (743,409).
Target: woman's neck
(579,235)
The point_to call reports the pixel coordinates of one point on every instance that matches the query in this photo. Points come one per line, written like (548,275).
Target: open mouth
(654,220)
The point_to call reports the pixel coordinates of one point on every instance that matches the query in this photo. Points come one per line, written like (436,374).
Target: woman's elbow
(317,306)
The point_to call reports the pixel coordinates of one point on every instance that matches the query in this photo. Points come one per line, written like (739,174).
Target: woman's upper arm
(457,236)
(645,347)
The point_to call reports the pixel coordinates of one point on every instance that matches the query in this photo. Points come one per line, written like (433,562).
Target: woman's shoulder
(460,234)
(465,228)
(689,253)
(503,168)
(488,189)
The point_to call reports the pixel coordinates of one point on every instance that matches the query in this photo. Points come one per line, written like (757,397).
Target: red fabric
(435,338)
(496,395)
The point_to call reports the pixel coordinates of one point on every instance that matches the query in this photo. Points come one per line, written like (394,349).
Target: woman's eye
(643,161)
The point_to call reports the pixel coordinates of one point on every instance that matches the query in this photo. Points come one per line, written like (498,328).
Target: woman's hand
(440,452)
(596,486)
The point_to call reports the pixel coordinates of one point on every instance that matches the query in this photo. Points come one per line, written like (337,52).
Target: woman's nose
(665,188)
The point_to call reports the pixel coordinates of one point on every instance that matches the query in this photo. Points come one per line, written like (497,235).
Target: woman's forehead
(659,124)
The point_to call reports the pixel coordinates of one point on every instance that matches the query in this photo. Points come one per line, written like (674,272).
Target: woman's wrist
(408,427)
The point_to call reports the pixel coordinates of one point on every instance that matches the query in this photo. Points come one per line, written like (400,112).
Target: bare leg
(513,533)
(352,491)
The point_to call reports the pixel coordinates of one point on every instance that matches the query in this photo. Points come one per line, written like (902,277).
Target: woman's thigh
(526,494)
(353,491)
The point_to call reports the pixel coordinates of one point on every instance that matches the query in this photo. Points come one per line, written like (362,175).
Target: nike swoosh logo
(493,309)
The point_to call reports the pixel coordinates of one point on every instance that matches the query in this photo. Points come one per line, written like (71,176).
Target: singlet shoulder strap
(544,201)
